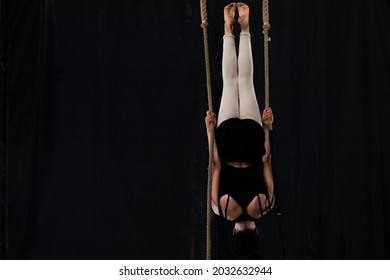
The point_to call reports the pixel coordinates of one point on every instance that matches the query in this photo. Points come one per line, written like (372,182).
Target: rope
(203,8)
(266,27)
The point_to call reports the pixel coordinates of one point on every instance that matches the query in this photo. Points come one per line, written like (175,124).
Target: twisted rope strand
(204,25)
(266,28)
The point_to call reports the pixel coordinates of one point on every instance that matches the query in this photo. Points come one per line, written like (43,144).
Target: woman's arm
(215,186)
(267,145)
(267,116)
(216,167)
(268,177)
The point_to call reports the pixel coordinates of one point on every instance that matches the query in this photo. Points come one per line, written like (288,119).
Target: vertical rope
(266,28)
(203,8)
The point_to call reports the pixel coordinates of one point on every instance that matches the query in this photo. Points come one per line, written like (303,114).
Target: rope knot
(266,26)
(204,24)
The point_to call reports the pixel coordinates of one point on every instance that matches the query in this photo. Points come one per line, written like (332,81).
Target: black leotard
(241,141)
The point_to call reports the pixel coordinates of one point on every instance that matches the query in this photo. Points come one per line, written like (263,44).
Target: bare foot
(243,19)
(228,14)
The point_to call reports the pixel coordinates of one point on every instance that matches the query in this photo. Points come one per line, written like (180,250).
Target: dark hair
(244,245)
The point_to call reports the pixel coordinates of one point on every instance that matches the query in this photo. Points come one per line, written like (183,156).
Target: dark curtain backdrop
(103,144)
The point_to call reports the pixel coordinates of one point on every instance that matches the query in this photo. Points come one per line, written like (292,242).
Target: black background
(103,144)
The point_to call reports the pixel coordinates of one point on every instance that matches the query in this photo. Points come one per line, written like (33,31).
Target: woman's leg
(249,108)
(229,107)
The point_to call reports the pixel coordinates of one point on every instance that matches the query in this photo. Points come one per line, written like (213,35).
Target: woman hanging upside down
(242,186)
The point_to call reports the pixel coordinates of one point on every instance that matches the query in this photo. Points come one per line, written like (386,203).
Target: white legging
(238,94)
